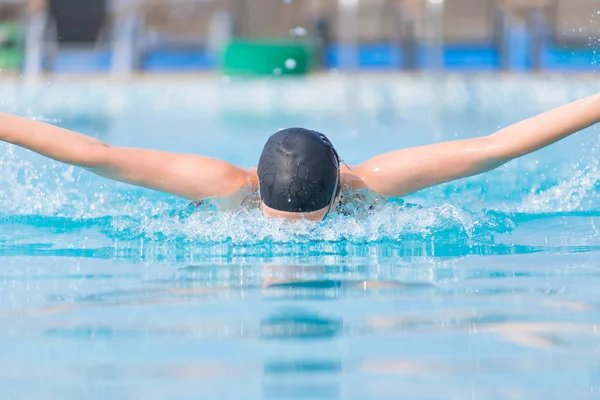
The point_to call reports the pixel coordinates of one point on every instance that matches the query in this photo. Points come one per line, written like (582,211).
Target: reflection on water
(310,331)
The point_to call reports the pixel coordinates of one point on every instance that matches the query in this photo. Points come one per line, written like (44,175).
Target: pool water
(486,288)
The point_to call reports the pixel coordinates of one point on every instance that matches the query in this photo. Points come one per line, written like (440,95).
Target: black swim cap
(299,171)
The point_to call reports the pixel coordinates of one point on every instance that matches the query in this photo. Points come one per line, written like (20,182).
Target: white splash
(569,195)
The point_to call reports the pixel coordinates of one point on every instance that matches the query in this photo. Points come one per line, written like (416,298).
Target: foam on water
(392,222)
(575,194)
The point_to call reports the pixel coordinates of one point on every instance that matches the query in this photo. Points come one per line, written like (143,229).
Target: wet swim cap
(299,171)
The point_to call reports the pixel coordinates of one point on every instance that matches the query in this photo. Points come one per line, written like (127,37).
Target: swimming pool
(485,288)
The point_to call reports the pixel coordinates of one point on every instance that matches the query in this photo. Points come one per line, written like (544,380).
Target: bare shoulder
(351,178)
(252,174)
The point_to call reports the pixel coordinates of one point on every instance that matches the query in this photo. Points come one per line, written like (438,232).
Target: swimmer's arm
(189,176)
(406,171)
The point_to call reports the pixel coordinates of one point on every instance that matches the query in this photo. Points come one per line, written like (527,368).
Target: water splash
(576,194)
(393,222)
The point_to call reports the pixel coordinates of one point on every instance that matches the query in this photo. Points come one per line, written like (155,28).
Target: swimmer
(300,174)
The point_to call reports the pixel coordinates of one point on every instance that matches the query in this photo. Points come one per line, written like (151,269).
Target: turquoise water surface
(487,288)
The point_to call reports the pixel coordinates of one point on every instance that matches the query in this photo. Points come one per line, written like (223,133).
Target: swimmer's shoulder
(351,179)
(252,174)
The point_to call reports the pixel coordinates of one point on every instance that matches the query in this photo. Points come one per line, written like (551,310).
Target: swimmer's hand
(189,176)
(406,171)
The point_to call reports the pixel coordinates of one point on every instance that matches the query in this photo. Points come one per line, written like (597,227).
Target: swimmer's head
(299,173)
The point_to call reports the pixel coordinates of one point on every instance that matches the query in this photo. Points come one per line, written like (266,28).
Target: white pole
(435,10)
(124,39)
(348,34)
(34,42)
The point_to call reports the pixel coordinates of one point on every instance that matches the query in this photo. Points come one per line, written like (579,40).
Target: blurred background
(279,37)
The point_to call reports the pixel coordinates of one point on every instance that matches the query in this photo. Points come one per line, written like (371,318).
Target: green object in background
(275,58)
(11,45)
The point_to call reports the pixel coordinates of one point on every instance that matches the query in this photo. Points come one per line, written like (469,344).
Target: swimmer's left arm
(406,171)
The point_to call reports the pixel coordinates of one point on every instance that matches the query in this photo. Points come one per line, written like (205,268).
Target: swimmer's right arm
(189,176)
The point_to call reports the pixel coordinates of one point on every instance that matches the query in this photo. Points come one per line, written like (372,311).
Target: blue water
(485,288)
